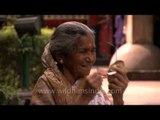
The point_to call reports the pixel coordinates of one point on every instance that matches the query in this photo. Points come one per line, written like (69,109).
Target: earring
(61,61)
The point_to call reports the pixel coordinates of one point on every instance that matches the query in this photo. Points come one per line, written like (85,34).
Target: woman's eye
(86,50)
(82,51)
(93,50)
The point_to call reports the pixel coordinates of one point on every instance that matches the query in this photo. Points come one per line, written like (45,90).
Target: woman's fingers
(120,75)
(95,81)
(114,89)
(119,80)
(116,82)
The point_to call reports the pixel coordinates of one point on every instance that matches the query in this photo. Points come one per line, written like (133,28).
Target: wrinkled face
(79,62)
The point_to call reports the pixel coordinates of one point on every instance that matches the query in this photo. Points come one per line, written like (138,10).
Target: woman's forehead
(86,41)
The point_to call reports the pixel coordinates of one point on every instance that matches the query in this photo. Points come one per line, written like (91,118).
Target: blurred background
(135,39)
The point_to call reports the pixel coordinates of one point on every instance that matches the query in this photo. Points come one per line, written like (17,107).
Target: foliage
(39,42)
(9,77)
(8,34)
(11,60)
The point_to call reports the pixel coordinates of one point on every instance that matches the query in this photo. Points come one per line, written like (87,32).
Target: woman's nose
(90,57)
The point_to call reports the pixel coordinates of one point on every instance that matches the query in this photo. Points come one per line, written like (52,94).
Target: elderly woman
(68,59)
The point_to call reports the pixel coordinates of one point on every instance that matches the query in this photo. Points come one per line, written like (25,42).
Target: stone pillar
(138,53)
(139,29)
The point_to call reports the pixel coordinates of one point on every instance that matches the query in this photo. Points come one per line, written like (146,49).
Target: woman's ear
(61,61)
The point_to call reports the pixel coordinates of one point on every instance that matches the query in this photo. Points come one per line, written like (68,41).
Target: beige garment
(52,87)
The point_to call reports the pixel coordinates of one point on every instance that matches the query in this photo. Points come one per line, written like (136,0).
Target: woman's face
(80,61)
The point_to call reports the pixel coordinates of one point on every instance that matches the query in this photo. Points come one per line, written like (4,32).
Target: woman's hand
(93,84)
(118,82)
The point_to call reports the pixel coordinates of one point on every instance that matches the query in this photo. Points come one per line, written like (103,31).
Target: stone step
(144,75)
